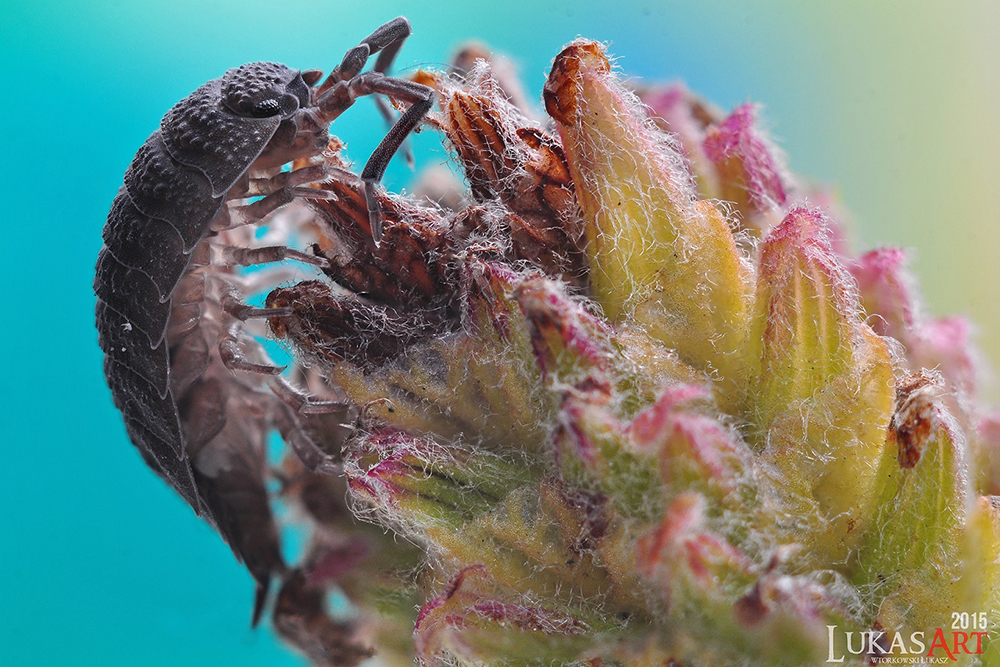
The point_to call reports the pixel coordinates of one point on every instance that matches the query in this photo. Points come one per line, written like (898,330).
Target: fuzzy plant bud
(980,572)
(427,484)
(914,545)
(821,386)
(987,454)
(620,398)
(695,451)
(656,254)
(470,621)
(716,592)
(887,292)
(750,171)
(676,110)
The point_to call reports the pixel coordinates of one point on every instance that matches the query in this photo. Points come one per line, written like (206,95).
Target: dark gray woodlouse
(199,412)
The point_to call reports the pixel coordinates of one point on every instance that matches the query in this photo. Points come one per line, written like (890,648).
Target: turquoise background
(102,564)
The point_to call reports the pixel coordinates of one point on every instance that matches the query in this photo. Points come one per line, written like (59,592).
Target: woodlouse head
(264,89)
(269,90)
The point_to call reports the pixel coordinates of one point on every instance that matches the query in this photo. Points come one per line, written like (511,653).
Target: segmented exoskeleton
(191,389)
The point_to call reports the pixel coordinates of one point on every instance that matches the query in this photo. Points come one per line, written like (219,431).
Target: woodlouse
(199,412)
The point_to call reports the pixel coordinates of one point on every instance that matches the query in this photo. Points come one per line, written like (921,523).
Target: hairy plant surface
(627,400)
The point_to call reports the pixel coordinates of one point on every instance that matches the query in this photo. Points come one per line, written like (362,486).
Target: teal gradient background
(895,102)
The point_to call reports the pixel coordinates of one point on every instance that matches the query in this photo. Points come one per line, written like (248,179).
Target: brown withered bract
(408,284)
(415,260)
(330,326)
(913,420)
(563,84)
(501,68)
(506,157)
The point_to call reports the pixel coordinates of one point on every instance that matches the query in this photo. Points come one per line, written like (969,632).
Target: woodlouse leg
(255,212)
(378,162)
(390,118)
(312,457)
(277,191)
(386,41)
(383,64)
(239,256)
(304,403)
(314,173)
(341,96)
(233,357)
(234,306)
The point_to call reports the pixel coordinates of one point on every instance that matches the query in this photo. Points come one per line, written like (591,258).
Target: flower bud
(596,454)
(987,454)
(943,344)
(573,348)
(418,482)
(723,598)
(748,167)
(655,253)
(686,117)
(820,384)
(688,559)
(695,452)
(885,292)
(469,620)
(981,563)
(913,545)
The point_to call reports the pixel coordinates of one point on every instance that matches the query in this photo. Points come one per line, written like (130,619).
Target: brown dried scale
(415,261)
(393,295)
(507,157)
(191,387)
(329,326)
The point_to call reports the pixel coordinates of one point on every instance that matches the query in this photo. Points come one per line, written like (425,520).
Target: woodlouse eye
(266,108)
